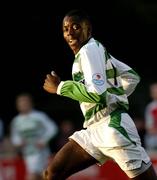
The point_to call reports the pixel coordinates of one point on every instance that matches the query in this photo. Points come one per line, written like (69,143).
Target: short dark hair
(80,14)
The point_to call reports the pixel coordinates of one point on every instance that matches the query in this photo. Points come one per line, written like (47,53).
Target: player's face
(23,104)
(75,33)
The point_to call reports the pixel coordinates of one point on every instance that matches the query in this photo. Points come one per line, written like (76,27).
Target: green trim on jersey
(92,111)
(107,55)
(133,72)
(78,91)
(77,76)
(116,90)
(110,73)
(124,105)
(116,121)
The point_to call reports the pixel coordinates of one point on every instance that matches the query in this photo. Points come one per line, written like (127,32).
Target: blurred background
(32,45)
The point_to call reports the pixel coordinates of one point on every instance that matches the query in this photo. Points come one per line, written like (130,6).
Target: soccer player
(31,131)
(101,84)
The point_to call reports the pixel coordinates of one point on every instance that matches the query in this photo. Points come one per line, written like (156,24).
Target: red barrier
(14,169)
(109,171)
(112,171)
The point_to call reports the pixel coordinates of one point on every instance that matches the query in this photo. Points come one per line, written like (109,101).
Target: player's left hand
(51,82)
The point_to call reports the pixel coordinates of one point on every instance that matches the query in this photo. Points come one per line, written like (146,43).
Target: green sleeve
(78,91)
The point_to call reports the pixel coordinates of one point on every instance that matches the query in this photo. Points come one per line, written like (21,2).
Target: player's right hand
(51,82)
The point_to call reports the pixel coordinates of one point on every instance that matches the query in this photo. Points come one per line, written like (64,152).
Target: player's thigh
(149,174)
(71,158)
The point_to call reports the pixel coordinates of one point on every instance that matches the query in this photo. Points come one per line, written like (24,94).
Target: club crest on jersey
(98,79)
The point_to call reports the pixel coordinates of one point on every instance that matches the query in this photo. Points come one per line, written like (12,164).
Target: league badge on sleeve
(98,79)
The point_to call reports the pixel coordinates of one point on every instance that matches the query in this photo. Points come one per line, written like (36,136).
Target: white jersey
(31,128)
(100,83)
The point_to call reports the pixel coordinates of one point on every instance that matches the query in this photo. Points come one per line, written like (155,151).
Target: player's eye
(76,26)
(65,29)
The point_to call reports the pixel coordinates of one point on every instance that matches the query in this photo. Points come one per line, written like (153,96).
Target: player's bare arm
(51,82)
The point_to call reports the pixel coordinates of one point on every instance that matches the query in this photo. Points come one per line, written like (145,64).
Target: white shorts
(36,163)
(114,137)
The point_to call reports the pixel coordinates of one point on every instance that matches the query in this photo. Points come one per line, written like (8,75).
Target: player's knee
(48,175)
(54,174)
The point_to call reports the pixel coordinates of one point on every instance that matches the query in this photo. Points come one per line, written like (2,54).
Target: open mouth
(72,42)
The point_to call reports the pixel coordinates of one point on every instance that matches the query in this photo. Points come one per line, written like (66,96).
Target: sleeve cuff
(59,87)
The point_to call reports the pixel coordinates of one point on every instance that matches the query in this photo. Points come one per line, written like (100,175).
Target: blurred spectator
(151,119)
(31,131)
